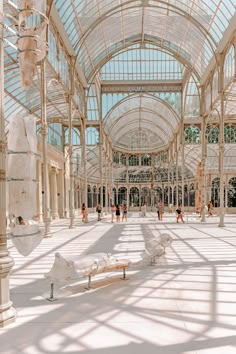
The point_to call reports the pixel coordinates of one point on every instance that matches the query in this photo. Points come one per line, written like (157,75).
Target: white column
(221,143)
(7,312)
(54,195)
(177,175)
(204,155)
(101,173)
(61,196)
(44,133)
(106,186)
(39,192)
(84,159)
(127,181)
(70,117)
(168,197)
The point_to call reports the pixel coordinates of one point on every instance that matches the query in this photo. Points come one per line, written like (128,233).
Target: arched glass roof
(142,63)
(97,29)
(163,37)
(141,116)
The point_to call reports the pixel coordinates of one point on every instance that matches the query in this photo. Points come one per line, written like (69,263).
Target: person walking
(210,208)
(99,211)
(83,212)
(158,211)
(161,209)
(117,213)
(124,215)
(179,214)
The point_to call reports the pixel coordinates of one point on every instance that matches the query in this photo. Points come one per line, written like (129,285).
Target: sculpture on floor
(21,174)
(155,246)
(74,267)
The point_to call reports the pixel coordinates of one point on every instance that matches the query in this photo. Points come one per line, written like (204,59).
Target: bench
(75,267)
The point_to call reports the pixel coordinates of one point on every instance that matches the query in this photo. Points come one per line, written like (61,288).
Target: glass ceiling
(128,40)
(142,64)
(141,113)
(98,28)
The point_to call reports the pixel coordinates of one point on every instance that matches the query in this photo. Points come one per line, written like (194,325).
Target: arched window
(133,160)
(116,157)
(192,135)
(95,196)
(92,136)
(157,159)
(146,196)
(230,133)
(123,159)
(157,195)
(215,192)
(164,156)
(232,193)
(146,160)
(192,195)
(122,195)
(134,197)
(212,134)
(89,196)
(75,136)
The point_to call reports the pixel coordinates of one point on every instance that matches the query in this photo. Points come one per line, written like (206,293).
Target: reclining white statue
(74,267)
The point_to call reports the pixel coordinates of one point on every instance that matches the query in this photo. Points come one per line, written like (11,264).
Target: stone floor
(184,304)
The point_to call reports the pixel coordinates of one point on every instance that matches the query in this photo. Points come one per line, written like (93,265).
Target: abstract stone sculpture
(22,184)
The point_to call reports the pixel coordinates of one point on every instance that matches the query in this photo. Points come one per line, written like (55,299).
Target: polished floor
(185,304)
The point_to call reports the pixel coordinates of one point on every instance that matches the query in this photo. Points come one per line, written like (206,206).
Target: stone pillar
(221,114)
(76,200)
(54,193)
(39,192)
(140,192)
(61,194)
(7,312)
(44,133)
(70,150)
(101,173)
(106,187)
(128,191)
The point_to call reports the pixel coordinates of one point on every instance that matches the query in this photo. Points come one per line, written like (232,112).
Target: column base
(47,228)
(8,315)
(72,218)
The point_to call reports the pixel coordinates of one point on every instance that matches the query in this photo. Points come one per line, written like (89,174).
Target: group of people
(118,210)
(208,209)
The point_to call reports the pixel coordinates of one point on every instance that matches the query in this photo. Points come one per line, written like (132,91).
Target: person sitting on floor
(21,220)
